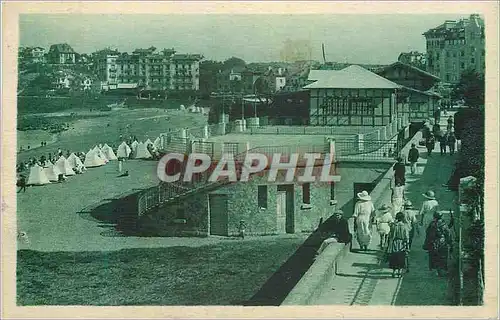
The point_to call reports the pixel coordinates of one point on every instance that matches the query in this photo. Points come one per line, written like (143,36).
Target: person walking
(399,172)
(363,212)
(397,199)
(436,130)
(429,207)
(383,221)
(438,243)
(21,183)
(437,115)
(452,140)
(397,249)
(413,156)
(449,126)
(430,143)
(411,221)
(443,142)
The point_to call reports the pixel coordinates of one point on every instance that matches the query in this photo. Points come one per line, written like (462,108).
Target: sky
(367,39)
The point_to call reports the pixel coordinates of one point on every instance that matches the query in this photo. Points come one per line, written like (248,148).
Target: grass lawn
(228,273)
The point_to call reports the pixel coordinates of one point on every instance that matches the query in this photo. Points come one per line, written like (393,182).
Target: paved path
(363,279)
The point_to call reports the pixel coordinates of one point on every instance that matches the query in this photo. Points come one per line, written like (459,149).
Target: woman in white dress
(429,207)
(397,199)
(363,212)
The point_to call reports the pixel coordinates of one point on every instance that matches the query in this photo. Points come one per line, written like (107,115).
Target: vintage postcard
(249,159)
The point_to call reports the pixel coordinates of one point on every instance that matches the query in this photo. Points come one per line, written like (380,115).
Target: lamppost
(255,98)
(242,108)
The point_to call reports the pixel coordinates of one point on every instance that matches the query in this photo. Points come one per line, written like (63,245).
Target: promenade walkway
(363,279)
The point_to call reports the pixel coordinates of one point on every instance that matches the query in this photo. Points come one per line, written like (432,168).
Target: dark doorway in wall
(285,208)
(218,215)
(415,127)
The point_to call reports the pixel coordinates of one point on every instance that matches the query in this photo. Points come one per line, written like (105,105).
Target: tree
(208,76)
(234,62)
(471,89)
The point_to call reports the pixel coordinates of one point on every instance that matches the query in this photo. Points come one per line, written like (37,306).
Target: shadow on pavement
(279,285)
(421,286)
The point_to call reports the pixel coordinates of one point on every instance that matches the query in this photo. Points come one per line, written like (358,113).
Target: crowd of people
(397,231)
(43,160)
(399,222)
(23,167)
(446,139)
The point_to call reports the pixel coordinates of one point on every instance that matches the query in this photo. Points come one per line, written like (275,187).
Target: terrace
(381,145)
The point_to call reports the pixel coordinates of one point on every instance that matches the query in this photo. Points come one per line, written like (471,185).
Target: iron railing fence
(165,192)
(304,130)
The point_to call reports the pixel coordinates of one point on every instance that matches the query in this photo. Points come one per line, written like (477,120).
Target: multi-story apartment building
(105,66)
(149,69)
(185,71)
(454,47)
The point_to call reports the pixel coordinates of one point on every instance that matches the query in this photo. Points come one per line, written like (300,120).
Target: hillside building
(456,46)
(61,54)
(149,69)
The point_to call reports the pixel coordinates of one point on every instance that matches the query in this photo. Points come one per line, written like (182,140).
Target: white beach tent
(123,150)
(157,144)
(63,165)
(75,162)
(142,152)
(92,160)
(52,172)
(37,177)
(148,142)
(100,154)
(108,152)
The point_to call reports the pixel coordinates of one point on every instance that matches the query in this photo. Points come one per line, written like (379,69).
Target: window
(472,61)
(306,193)
(447,54)
(361,106)
(482,53)
(454,54)
(462,65)
(332,191)
(262,196)
(462,53)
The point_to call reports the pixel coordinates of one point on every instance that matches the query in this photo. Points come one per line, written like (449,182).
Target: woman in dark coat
(399,172)
(430,144)
(437,243)
(443,143)
(340,228)
(397,249)
(452,140)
